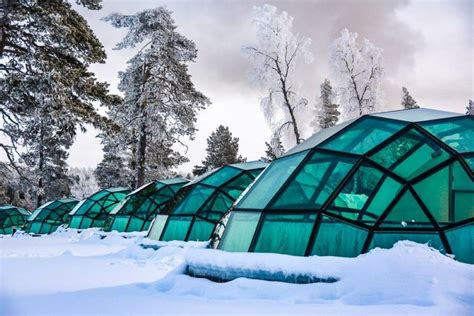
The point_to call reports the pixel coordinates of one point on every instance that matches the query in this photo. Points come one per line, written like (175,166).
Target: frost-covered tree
(326,112)
(84,182)
(407,100)
(274,58)
(112,171)
(222,149)
(358,68)
(470,108)
(12,189)
(46,89)
(274,148)
(161,102)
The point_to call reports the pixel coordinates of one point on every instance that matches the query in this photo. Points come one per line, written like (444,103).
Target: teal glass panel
(406,213)
(221,176)
(470,162)
(120,223)
(75,221)
(157,228)
(338,239)
(461,240)
(176,228)
(270,181)
(356,192)
(387,240)
(286,234)
(216,206)
(194,200)
(434,192)
(239,231)
(201,230)
(238,185)
(458,134)
(86,223)
(35,228)
(385,194)
(315,182)
(463,193)
(410,155)
(363,135)
(135,224)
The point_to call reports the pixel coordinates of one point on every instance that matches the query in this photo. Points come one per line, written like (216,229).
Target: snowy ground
(85,274)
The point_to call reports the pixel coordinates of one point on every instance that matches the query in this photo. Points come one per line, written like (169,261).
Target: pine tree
(84,182)
(161,102)
(222,149)
(407,101)
(470,108)
(46,89)
(112,171)
(328,114)
(274,148)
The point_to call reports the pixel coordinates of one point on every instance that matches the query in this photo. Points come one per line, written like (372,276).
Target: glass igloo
(94,211)
(49,216)
(365,183)
(139,208)
(12,217)
(204,201)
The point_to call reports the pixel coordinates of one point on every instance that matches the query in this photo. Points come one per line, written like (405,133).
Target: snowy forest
(49,94)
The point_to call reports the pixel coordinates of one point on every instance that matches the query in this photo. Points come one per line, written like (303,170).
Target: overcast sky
(428,47)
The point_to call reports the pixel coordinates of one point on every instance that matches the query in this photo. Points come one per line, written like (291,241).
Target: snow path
(68,273)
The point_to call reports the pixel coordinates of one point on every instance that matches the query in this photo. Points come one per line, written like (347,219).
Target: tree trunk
(290,110)
(141,153)
(40,191)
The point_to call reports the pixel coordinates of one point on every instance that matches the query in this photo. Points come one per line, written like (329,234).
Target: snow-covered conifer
(161,102)
(222,149)
(274,148)
(470,108)
(407,100)
(84,182)
(326,112)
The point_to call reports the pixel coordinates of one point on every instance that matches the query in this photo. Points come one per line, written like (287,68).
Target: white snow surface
(97,273)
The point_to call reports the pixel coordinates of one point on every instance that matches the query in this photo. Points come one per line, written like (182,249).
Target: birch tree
(274,57)
(358,68)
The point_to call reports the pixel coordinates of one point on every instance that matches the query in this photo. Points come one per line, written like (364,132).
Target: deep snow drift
(71,273)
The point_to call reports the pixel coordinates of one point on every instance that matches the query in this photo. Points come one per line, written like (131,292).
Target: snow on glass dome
(204,201)
(363,184)
(94,211)
(49,216)
(12,217)
(139,208)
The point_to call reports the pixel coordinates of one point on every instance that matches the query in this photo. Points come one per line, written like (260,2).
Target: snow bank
(96,273)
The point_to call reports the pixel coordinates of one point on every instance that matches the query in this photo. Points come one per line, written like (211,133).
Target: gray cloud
(411,34)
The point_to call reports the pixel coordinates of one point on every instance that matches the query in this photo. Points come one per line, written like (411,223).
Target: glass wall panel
(384,195)
(463,193)
(338,239)
(461,241)
(239,231)
(287,234)
(410,155)
(194,200)
(387,240)
(352,198)
(221,176)
(407,212)
(271,181)
(157,228)
(434,192)
(201,230)
(176,228)
(363,135)
(459,133)
(120,223)
(135,224)
(314,182)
